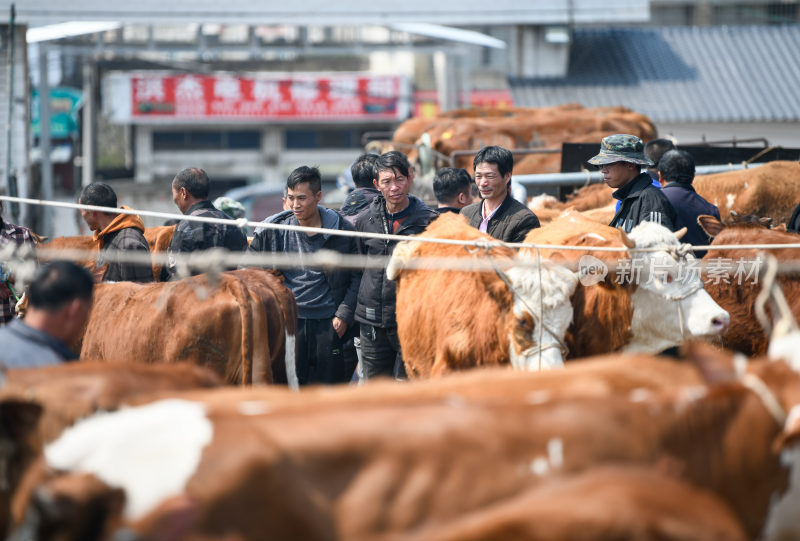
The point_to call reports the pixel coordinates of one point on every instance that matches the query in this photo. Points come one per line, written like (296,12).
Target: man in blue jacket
(676,173)
(326,300)
(621,159)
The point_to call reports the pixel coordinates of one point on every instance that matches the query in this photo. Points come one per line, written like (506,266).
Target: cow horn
(680,233)
(626,240)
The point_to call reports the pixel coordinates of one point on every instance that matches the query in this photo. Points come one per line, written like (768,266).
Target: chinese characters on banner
(332,97)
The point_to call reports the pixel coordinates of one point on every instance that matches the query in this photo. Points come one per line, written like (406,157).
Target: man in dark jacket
(115,233)
(190,194)
(391,212)
(499,214)
(359,199)
(453,189)
(326,299)
(676,173)
(620,159)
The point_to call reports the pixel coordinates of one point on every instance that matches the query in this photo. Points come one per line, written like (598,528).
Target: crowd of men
(345,317)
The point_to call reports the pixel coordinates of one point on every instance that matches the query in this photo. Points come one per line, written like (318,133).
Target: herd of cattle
(517,128)
(151,445)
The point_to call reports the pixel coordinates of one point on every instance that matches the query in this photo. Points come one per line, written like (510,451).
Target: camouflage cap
(621,148)
(231,207)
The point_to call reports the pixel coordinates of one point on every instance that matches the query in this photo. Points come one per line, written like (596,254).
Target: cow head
(669,301)
(712,226)
(68,507)
(542,313)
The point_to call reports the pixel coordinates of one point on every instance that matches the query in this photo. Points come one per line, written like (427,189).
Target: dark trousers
(380,353)
(319,352)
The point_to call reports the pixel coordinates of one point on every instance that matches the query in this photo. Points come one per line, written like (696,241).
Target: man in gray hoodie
(326,299)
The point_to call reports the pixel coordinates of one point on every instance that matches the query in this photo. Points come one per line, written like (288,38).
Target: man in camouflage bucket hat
(621,159)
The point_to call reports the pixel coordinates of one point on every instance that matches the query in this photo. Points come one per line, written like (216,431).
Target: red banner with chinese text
(333,97)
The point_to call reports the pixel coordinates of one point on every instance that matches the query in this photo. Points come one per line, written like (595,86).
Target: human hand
(339,326)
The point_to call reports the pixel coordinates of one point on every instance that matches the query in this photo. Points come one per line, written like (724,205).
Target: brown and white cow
(404,467)
(734,279)
(243,327)
(37,404)
(455,319)
(651,303)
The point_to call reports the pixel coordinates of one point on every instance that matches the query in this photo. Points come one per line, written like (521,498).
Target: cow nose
(721,322)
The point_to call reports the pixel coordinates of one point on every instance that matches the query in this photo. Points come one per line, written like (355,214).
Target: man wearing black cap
(621,159)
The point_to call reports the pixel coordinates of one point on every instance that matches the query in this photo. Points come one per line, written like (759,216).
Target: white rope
(242,222)
(763,392)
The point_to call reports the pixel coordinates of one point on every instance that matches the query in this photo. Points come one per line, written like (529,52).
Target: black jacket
(377,294)
(688,206)
(794,222)
(128,239)
(194,236)
(643,202)
(356,201)
(510,223)
(343,283)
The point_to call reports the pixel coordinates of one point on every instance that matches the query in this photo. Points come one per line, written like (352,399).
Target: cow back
(769,190)
(453,319)
(191,320)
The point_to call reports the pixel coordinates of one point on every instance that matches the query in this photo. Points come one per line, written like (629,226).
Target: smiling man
(498,214)
(326,299)
(620,160)
(392,212)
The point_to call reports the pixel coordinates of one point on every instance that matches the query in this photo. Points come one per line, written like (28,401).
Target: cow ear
(710,224)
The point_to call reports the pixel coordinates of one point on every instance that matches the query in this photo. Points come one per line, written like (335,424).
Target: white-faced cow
(454,319)
(642,301)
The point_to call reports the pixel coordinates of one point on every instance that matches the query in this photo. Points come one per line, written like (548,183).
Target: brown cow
(455,319)
(39,403)
(158,238)
(243,327)
(769,190)
(644,312)
(602,504)
(733,280)
(404,467)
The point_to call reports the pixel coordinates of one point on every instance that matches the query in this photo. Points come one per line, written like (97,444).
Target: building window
(303,139)
(206,140)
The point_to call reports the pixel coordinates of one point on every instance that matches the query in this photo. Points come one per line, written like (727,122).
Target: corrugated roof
(679,74)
